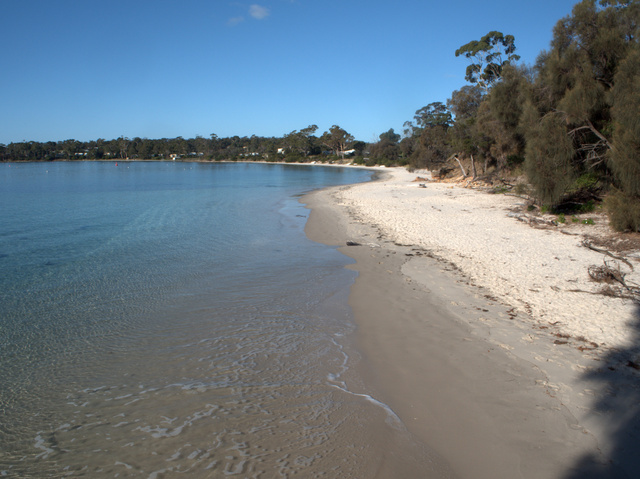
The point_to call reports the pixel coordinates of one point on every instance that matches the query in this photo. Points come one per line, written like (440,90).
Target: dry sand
(485,334)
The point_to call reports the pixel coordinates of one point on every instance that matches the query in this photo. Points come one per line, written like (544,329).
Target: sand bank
(484,334)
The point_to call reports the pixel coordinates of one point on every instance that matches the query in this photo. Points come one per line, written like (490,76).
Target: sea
(168,318)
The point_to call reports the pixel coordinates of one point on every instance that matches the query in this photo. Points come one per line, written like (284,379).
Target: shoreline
(487,385)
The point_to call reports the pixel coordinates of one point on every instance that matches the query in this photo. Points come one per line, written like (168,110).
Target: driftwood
(612,274)
(473,168)
(464,173)
(587,244)
(606,273)
(532,220)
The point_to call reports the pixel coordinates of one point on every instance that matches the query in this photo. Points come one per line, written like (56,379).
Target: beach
(485,333)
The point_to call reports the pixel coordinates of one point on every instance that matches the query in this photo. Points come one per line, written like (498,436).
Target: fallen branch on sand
(532,220)
(587,244)
(611,275)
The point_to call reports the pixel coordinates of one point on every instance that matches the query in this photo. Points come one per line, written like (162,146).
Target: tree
(588,82)
(386,150)
(301,141)
(430,142)
(123,144)
(435,114)
(549,152)
(70,148)
(489,56)
(499,116)
(337,140)
(464,136)
(579,72)
(624,158)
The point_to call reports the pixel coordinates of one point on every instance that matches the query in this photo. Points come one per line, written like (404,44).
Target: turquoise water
(163,318)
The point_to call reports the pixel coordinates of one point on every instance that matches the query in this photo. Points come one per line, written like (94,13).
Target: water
(164,318)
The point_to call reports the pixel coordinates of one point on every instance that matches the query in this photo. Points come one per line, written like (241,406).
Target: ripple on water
(169,323)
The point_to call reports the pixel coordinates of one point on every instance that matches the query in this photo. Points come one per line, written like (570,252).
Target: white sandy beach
(534,270)
(485,334)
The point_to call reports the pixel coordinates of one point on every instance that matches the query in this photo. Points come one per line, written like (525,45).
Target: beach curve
(454,292)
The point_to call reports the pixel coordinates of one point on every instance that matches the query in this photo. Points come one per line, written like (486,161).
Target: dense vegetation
(570,123)
(294,146)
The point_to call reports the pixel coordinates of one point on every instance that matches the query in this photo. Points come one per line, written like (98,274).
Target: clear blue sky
(89,69)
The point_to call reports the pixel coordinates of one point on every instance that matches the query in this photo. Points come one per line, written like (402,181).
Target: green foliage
(427,142)
(433,115)
(464,137)
(337,139)
(623,210)
(390,137)
(587,207)
(301,142)
(489,56)
(386,151)
(587,181)
(624,157)
(548,156)
(561,218)
(499,117)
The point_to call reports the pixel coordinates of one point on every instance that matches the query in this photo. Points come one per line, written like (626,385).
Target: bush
(623,211)
(587,181)
(587,207)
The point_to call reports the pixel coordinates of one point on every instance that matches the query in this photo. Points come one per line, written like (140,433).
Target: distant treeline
(570,124)
(294,146)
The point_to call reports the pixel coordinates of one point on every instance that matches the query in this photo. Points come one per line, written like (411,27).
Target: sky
(89,69)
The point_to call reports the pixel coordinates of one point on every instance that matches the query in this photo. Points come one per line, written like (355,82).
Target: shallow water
(162,318)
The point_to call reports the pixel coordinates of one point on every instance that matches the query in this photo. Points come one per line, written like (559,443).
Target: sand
(485,335)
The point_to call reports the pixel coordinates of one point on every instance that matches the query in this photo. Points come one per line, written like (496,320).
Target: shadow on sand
(618,407)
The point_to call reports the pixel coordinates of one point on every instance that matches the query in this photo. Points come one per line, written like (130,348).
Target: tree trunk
(464,173)
(473,168)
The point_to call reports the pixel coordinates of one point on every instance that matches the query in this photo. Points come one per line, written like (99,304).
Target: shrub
(561,218)
(587,181)
(587,207)
(548,156)
(623,211)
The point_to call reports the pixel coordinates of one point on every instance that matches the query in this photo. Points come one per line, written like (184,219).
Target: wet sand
(466,373)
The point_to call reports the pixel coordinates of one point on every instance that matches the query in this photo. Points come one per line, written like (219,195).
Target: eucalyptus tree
(430,134)
(488,57)
(386,150)
(337,139)
(464,136)
(499,116)
(301,142)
